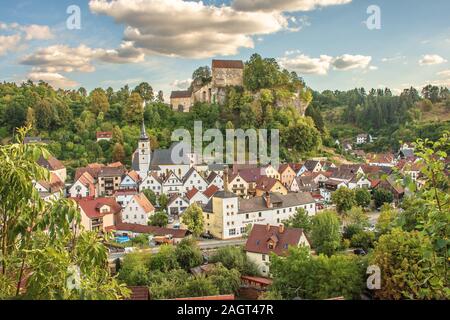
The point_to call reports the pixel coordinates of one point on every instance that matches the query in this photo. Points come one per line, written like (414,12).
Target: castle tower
(145,152)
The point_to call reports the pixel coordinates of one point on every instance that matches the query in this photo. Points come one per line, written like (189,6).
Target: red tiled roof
(134,175)
(266,183)
(259,280)
(90,206)
(139,293)
(191,193)
(228,64)
(54,184)
(87,180)
(261,234)
(157,231)
(104,135)
(142,200)
(211,191)
(51,163)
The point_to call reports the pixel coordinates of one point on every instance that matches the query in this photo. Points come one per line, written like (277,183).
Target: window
(243,229)
(246,216)
(232,232)
(260,214)
(263,258)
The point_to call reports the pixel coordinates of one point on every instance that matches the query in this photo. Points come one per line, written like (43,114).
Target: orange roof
(191,193)
(87,180)
(142,200)
(212,190)
(115,165)
(104,134)
(134,175)
(91,206)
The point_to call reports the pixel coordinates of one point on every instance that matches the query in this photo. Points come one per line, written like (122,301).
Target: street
(205,245)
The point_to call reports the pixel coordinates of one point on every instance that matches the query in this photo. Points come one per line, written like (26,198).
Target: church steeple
(144,152)
(144,135)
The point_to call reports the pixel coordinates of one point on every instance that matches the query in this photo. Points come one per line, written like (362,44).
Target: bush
(363,239)
(235,258)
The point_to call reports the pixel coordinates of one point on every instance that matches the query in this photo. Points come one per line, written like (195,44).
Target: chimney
(225,179)
(281,228)
(268,227)
(267,198)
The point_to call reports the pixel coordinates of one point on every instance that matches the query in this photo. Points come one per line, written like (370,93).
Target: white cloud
(320,66)
(307,65)
(9,43)
(37,32)
(393,59)
(126,53)
(181,84)
(445,73)
(284,5)
(59,58)
(187,28)
(348,62)
(55,79)
(431,59)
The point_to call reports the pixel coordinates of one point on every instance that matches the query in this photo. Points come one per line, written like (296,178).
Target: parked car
(359,252)
(207,235)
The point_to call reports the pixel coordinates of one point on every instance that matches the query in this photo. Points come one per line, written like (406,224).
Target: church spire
(144,135)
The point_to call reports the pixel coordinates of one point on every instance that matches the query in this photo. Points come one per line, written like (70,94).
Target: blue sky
(163,41)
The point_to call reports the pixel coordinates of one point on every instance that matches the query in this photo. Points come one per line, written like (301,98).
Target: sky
(332,44)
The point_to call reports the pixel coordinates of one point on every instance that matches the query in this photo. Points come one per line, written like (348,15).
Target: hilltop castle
(224,73)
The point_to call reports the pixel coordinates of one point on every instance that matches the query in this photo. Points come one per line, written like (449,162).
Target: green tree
(188,254)
(117,135)
(159,219)
(118,153)
(228,281)
(300,219)
(134,109)
(151,196)
(98,101)
(301,275)
(382,196)
(202,75)
(407,270)
(163,201)
(363,239)
(234,258)
(37,240)
(362,197)
(134,270)
(200,286)
(145,91)
(193,218)
(344,199)
(325,232)
(165,260)
(386,220)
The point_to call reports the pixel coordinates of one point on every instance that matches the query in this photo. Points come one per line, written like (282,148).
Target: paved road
(205,245)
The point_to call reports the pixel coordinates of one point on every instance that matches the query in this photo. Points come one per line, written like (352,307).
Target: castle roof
(228,64)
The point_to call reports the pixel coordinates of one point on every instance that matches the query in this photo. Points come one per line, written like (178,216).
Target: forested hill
(270,98)
(388,117)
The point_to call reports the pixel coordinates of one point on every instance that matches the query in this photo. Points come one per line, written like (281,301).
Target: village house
(124,197)
(304,183)
(227,216)
(181,101)
(287,175)
(238,185)
(330,186)
(381,160)
(267,184)
(109,179)
(196,196)
(364,138)
(310,166)
(211,191)
(193,179)
(130,181)
(173,185)
(138,210)
(84,186)
(97,214)
(52,189)
(134,230)
(264,240)
(215,179)
(152,182)
(177,205)
(359,182)
(104,136)
(54,166)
